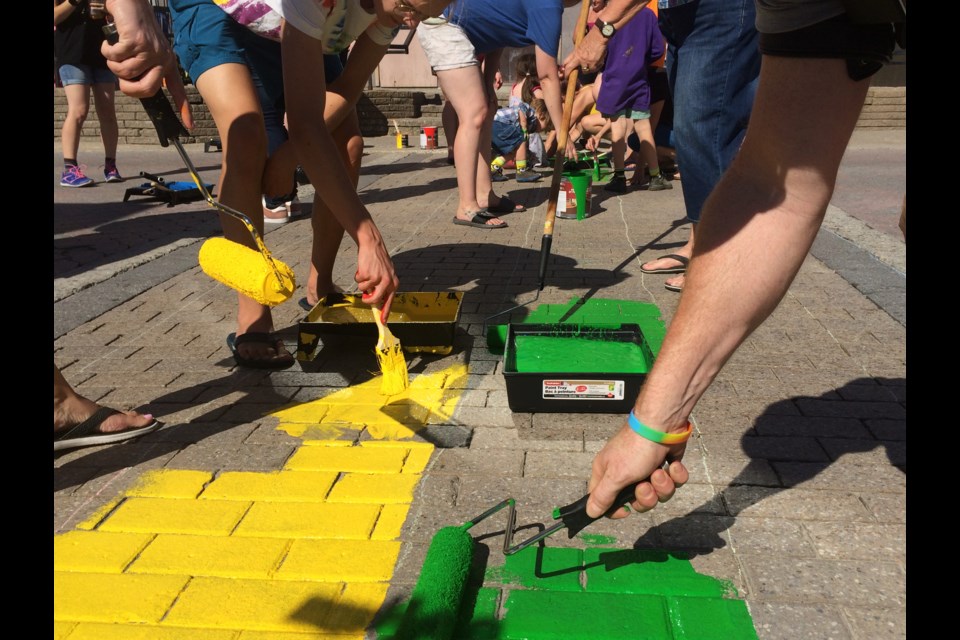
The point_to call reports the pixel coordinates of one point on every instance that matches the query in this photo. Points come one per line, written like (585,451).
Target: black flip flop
(480,221)
(234,341)
(506,205)
(306,306)
(86,433)
(683,260)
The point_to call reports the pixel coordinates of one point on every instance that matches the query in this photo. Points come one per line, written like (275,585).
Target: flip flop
(479,220)
(506,205)
(306,306)
(683,260)
(86,433)
(234,341)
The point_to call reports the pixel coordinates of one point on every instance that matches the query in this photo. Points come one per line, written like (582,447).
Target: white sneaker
(276,215)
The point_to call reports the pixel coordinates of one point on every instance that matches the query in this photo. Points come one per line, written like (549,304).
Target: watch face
(607,30)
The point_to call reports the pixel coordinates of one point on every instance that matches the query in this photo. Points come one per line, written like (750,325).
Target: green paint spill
(544,593)
(578,354)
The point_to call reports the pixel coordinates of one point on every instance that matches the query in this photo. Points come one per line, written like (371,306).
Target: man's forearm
(619,12)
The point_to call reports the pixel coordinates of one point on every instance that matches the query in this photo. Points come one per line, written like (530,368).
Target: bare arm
(305,96)
(593,48)
(550,85)
(62,10)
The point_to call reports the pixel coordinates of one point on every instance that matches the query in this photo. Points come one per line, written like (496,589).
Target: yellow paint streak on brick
(309,520)
(162,515)
(276,635)
(377,489)
(98,515)
(397,417)
(295,486)
(353,459)
(96,631)
(108,597)
(97,551)
(343,560)
(170,483)
(265,605)
(222,556)
(311,431)
(390,522)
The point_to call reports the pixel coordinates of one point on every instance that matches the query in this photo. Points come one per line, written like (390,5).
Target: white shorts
(446,46)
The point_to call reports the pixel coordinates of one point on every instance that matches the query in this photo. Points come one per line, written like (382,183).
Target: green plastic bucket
(575,191)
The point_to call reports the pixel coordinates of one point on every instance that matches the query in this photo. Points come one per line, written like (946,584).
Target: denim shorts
(713,65)
(446,46)
(85,74)
(505,138)
(629,114)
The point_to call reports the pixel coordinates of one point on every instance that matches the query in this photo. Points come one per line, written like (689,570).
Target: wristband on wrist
(659,437)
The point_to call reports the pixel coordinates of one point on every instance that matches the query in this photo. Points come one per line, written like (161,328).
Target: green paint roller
(434,606)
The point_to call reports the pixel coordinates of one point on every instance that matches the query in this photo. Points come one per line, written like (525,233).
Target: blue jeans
(713,65)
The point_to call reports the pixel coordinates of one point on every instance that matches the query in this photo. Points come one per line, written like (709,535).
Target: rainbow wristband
(659,437)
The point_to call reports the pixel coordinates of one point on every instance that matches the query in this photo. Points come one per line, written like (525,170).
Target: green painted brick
(646,571)
(344,560)
(265,605)
(111,597)
(97,551)
(295,486)
(223,556)
(553,568)
(353,459)
(309,520)
(379,488)
(163,515)
(550,615)
(710,619)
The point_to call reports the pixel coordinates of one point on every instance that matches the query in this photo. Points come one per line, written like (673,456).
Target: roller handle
(575,517)
(164,120)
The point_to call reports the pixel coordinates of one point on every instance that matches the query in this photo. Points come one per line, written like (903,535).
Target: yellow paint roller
(252,272)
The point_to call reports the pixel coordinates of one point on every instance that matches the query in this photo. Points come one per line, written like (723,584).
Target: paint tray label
(583,389)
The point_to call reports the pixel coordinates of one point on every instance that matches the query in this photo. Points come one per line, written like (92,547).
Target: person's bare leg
(756,229)
(103,101)
(228,93)
(327,231)
(70,409)
(648,149)
(78,106)
(464,90)
(448,118)
(618,140)
(278,174)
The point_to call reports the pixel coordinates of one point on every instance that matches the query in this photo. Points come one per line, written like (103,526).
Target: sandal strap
(88,426)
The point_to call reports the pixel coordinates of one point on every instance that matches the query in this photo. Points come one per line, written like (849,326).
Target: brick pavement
(797,494)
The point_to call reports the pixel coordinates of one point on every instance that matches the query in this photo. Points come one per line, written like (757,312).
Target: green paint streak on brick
(597,540)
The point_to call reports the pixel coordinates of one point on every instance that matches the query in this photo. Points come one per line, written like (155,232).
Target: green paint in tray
(578,354)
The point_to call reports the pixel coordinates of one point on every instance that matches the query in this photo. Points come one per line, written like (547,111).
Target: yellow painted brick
(417,459)
(409,415)
(97,551)
(390,522)
(357,605)
(391,488)
(170,483)
(425,397)
(95,631)
(276,635)
(340,560)
(91,523)
(163,515)
(309,520)
(312,432)
(357,414)
(111,597)
(294,486)
(222,556)
(265,605)
(62,629)
(328,443)
(354,459)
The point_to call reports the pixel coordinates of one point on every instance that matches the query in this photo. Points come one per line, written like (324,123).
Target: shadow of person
(798,444)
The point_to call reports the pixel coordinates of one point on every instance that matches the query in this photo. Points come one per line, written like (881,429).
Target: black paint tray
(594,379)
(423,321)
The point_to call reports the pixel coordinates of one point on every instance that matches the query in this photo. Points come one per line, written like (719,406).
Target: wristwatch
(606,29)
